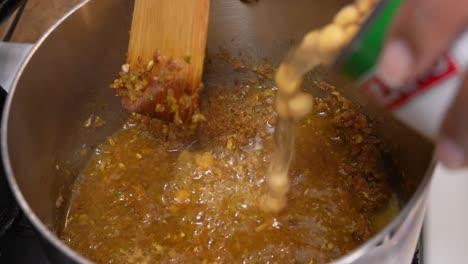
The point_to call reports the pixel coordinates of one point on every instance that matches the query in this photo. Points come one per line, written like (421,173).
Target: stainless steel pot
(65,78)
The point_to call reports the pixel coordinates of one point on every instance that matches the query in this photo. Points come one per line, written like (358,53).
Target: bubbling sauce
(155,193)
(319,47)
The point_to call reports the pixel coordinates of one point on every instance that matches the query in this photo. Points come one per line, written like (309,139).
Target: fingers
(452,146)
(421,32)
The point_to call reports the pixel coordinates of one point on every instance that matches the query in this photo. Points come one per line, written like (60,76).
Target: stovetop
(20,244)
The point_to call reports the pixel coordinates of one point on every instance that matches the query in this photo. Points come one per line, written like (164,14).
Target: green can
(359,58)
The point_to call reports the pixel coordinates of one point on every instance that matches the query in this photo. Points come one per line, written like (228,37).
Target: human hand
(421,32)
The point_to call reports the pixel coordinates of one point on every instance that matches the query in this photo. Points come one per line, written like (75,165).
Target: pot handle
(12,56)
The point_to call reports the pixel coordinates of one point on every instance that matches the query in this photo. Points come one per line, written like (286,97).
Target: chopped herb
(188,59)
(98,122)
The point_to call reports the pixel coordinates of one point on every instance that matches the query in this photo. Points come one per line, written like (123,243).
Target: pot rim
(52,238)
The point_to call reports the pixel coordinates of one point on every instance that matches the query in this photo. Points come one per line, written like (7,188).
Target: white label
(422,104)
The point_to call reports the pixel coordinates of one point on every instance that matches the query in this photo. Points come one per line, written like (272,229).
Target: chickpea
(347,15)
(204,160)
(349,32)
(300,105)
(365,6)
(271,204)
(278,184)
(331,39)
(311,39)
(286,80)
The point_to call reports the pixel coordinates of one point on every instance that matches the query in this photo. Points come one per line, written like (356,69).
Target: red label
(392,98)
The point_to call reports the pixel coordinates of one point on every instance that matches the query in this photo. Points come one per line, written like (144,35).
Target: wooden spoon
(162,77)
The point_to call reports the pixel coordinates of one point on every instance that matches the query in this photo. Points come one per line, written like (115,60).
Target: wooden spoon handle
(168,39)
